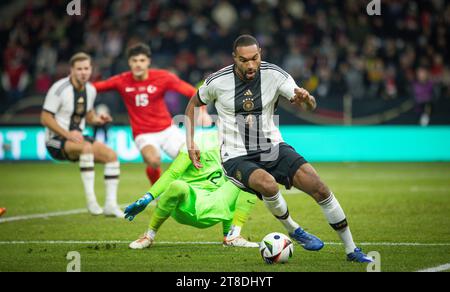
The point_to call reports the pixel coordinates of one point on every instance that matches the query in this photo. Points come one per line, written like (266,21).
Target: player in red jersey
(2,211)
(143,89)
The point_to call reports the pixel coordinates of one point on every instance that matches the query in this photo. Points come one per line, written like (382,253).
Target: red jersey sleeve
(180,86)
(106,85)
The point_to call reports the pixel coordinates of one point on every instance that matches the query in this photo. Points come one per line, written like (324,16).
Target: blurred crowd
(332,48)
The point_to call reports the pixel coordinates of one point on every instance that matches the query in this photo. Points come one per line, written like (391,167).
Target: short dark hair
(139,49)
(245,40)
(78,57)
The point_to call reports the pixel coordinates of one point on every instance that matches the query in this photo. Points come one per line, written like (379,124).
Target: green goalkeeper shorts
(203,209)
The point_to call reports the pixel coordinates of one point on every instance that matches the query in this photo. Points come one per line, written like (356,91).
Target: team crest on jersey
(151,89)
(248,104)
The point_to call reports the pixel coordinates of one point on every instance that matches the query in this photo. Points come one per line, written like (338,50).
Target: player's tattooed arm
(303,99)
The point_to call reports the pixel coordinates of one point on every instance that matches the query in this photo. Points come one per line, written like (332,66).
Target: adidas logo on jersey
(248,93)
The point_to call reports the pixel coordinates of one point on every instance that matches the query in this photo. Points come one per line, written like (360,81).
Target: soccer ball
(276,248)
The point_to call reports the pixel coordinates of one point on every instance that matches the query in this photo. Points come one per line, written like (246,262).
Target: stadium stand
(386,69)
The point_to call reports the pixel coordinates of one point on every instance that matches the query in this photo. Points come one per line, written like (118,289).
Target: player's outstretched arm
(175,171)
(106,85)
(194,152)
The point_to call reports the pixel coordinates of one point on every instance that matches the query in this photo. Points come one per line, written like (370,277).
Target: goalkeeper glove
(137,207)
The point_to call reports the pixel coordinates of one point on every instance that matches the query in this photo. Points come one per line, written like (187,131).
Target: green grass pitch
(397,203)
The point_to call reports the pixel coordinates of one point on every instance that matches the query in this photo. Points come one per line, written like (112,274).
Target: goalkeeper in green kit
(199,198)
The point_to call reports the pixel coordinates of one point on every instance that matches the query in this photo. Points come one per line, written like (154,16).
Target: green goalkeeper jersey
(209,178)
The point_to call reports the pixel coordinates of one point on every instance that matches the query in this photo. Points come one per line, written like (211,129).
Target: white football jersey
(69,105)
(247,123)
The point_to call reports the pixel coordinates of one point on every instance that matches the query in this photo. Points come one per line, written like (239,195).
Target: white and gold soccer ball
(276,248)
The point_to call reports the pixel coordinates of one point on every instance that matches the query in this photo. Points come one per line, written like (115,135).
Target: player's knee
(178,187)
(322,192)
(87,148)
(153,161)
(269,185)
(111,156)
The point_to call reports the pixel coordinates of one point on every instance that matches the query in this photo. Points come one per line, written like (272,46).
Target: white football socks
(88,177)
(235,231)
(112,172)
(278,207)
(336,217)
(152,234)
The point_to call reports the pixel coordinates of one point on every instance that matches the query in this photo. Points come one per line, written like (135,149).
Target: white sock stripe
(327,200)
(112,169)
(87,156)
(86,160)
(274,198)
(115,164)
(333,210)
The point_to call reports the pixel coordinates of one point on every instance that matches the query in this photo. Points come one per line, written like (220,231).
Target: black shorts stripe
(111,177)
(236,182)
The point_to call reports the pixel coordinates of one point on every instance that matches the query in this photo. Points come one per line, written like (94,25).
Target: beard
(248,74)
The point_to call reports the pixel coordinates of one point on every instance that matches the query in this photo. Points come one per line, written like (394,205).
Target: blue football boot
(306,240)
(358,256)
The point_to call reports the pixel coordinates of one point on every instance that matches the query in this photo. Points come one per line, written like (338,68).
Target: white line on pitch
(43,216)
(46,215)
(437,269)
(397,243)
(62,242)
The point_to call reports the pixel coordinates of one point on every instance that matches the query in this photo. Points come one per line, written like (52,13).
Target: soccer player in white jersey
(68,106)
(254,155)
